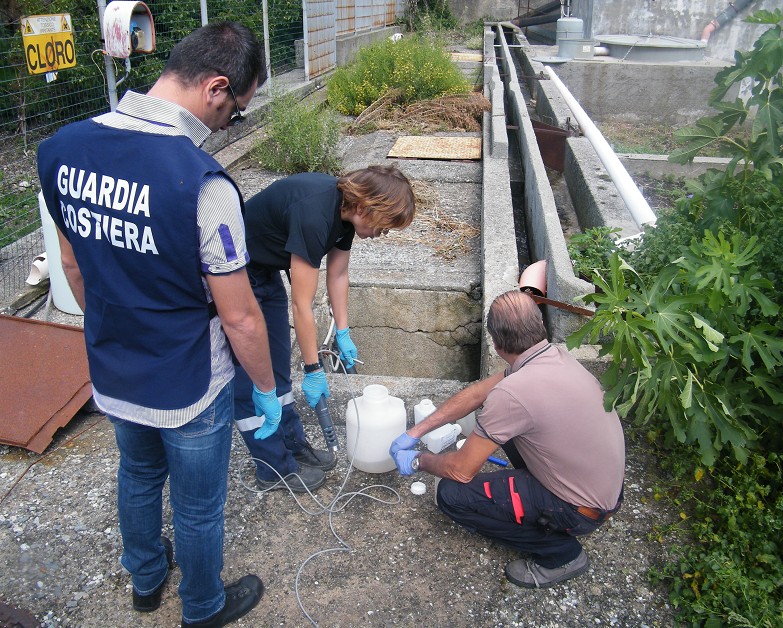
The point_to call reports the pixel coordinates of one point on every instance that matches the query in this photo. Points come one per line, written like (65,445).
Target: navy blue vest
(127,202)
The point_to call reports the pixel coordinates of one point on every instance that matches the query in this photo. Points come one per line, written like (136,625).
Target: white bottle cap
(418,488)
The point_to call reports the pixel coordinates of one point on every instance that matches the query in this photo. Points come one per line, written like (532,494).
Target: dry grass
(654,139)
(462,112)
(448,236)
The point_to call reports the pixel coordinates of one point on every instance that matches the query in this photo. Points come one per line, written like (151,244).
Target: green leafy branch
(698,345)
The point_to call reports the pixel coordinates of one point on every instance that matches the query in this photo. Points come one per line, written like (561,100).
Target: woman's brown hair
(382,192)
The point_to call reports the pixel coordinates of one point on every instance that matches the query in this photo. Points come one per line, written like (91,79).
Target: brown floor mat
(429,147)
(466,56)
(44,380)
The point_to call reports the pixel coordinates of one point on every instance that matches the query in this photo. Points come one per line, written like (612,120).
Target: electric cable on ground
(333,506)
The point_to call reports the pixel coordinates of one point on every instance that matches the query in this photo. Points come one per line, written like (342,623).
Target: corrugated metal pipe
(637,205)
(728,14)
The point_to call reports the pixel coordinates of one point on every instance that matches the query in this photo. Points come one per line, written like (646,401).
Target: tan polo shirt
(552,409)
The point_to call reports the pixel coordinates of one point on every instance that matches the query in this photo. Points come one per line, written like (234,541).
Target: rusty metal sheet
(320,25)
(364,13)
(551,144)
(379,14)
(346,17)
(428,147)
(44,382)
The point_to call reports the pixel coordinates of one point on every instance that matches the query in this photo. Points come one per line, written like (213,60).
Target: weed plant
(692,321)
(590,251)
(427,16)
(419,68)
(299,137)
(731,574)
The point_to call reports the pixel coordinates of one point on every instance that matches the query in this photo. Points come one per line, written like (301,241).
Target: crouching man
(546,411)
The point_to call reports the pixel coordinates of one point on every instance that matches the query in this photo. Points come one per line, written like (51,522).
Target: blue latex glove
(268,406)
(348,352)
(313,386)
(403,459)
(403,441)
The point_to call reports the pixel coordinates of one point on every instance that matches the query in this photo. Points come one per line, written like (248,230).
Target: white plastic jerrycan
(372,422)
(422,410)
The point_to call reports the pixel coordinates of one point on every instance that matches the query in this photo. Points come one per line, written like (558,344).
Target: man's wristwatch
(415,463)
(312,368)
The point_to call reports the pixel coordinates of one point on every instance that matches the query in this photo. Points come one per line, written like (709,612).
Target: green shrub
(417,68)
(299,137)
(692,321)
(695,331)
(590,251)
(733,575)
(426,16)
(697,351)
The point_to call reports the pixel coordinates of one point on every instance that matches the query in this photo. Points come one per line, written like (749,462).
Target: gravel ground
(402,562)
(384,558)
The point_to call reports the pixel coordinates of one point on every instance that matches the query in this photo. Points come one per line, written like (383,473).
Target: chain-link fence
(34,106)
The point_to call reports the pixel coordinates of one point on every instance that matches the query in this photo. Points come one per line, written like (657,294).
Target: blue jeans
(279,448)
(195,459)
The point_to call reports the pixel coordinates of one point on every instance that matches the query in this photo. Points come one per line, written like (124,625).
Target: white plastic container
(467,423)
(62,296)
(372,422)
(422,410)
(439,439)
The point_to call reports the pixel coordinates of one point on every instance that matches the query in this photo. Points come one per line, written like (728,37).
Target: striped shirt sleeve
(221,228)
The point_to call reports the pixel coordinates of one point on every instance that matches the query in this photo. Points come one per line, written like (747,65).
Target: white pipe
(634,201)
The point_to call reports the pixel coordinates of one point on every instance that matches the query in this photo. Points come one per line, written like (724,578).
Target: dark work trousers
(278,449)
(540,524)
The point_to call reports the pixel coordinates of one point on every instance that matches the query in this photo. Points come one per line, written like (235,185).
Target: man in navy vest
(153,247)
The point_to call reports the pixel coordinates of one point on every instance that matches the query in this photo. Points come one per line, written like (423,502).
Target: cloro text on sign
(48,42)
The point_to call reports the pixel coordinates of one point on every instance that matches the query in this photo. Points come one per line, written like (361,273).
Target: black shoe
(319,458)
(151,601)
(241,598)
(310,478)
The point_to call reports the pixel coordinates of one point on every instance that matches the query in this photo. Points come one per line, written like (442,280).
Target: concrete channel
(418,317)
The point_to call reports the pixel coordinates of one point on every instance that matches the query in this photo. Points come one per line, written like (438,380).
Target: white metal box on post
(128,27)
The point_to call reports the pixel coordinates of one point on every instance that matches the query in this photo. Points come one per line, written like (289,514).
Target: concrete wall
(470,10)
(668,93)
(675,18)
(417,333)
(348,46)
(546,240)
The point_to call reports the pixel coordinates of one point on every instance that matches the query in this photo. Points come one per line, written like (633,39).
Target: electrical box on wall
(128,28)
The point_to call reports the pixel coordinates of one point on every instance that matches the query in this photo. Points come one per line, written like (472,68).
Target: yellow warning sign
(48,42)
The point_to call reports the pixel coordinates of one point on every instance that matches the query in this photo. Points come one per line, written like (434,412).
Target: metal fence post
(267,47)
(111,79)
